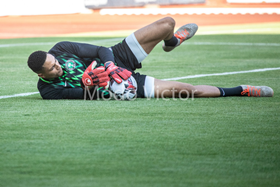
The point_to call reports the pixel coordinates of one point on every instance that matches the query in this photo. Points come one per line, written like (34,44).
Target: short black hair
(36,61)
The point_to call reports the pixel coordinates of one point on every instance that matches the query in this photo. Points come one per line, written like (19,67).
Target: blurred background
(40,18)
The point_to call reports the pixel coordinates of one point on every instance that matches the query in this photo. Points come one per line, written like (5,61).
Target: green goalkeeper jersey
(74,58)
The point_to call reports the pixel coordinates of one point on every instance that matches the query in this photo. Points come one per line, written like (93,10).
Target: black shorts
(124,57)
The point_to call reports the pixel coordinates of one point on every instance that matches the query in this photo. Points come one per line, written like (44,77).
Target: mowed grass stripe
(214,142)
(168,79)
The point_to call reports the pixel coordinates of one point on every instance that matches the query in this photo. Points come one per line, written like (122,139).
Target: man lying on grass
(67,67)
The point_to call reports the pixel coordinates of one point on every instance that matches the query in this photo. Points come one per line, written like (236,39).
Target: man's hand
(95,77)
(117,73)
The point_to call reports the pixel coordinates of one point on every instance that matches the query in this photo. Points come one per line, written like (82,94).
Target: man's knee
(184,89)
(168,23)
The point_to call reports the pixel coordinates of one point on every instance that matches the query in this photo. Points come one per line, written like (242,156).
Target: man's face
(51,68)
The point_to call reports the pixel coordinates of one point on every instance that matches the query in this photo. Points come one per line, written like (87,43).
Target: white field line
(219,74)
(25,44)
(53,43)
(170,79)
(235,44)
(118,39)
(18,95)
(240,31)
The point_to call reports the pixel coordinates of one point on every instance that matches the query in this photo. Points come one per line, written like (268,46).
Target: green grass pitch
(213,142)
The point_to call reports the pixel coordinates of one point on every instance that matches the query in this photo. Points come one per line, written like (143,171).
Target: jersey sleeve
(84,50)
(47,91)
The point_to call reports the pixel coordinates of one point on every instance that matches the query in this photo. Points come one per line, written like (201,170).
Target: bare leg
(179,89)
(149,36)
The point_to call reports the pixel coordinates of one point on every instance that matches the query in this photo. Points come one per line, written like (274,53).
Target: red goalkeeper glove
(95,77)
(117,73)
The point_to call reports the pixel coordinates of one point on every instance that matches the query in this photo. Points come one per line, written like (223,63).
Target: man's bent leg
(150,35)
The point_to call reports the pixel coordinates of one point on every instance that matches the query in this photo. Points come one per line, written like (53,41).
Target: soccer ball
(126,90)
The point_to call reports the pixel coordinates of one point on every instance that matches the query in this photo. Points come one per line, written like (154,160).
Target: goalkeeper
(67,67)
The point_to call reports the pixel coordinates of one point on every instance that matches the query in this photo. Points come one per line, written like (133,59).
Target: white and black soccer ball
(126,90)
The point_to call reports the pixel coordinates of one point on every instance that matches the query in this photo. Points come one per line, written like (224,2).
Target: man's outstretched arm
(84,50)
(49,92)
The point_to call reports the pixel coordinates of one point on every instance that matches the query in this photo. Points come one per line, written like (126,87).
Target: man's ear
(41,75)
